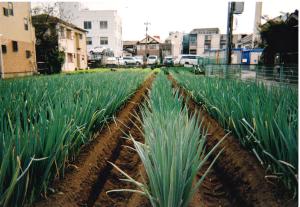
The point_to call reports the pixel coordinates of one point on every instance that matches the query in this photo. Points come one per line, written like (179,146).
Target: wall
(16,63)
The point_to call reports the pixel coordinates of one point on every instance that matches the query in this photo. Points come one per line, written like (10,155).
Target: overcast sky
(185,15)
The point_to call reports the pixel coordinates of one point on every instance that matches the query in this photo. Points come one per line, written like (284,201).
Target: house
(104,27)
(69,39)
(149,46)
(17,40)
(129,48)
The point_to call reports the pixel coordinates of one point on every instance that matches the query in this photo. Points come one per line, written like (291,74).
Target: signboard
(238,7)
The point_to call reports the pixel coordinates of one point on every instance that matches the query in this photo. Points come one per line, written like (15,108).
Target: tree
(280,38)
(46,32)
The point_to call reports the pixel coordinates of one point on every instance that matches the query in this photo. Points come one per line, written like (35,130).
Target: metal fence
(277,74)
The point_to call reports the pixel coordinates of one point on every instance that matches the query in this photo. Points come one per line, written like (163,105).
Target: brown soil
(237,176)
(129,161)
(81,186)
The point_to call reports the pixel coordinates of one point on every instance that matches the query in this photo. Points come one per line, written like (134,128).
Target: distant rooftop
(205,31)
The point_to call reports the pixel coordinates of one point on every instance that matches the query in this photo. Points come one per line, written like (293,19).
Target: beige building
(17,40)
(71,40)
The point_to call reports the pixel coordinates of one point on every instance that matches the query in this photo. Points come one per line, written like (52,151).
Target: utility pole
(146,45)
(233,8)
(229,31)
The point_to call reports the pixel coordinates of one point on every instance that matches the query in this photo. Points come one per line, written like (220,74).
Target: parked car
(189,60)
(139,60)
(110,61)
(128,60)
(168,61)
(152,60)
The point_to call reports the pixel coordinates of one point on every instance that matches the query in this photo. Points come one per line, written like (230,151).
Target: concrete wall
(13,29)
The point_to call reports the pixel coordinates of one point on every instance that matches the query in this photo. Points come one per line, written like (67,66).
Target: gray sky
(184,15)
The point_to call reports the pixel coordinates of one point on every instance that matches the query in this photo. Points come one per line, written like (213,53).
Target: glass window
(15,46)
(62,32)
(10,9)
(103,24)
(70,58)
(207,37)
(193,40)
(89,41)
(87,25)
(4,49)
(103,40)
(69,34)
(28,54)
(25,23)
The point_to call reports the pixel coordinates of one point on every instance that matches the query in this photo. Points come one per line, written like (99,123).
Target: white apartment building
(104,26)
(175,39)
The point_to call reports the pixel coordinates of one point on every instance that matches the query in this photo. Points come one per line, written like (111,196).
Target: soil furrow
(129,161)
(80,186)
(237,170)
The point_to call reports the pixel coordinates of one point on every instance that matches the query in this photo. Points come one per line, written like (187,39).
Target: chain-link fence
(277,74)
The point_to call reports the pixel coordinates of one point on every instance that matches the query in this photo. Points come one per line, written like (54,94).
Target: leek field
(134,138)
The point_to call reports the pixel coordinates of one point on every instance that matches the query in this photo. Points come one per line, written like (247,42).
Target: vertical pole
(146,44)
(229,31)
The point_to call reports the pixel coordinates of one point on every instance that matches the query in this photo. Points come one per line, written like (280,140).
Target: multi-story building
(104,26)
(71,40)
(175,39)
(203,41)
(17,40)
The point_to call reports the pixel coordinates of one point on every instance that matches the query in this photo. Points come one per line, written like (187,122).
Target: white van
(189,60)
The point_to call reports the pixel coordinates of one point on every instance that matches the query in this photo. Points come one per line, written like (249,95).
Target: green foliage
(47,49)
(174,148)
(265,119)
(44,121)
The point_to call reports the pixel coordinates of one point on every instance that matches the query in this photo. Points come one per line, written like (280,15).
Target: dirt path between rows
(82,186)
(237,176)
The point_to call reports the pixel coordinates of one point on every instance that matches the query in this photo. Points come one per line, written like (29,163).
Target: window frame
(15,46)
(89,40)
(4,49)
(104,40)
(104,26)
(87,24)
(26,24)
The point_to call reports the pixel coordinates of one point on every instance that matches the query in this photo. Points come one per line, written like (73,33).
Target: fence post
(281,74)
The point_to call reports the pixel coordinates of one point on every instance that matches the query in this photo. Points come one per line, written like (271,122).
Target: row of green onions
(45,120)
(174,149)
(264,118)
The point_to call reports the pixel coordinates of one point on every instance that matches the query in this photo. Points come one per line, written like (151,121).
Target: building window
(26,24)
(193,52)
(15,46)
(89,41)
(62,32)
(5,12)
(152,47)
(28,54)
(69,34)
(193,40)
(70,58)
(207,47)
(103,40)
(207,37)
(10,9)
(4,49)
(103,24)
(87,25)
(80,36)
